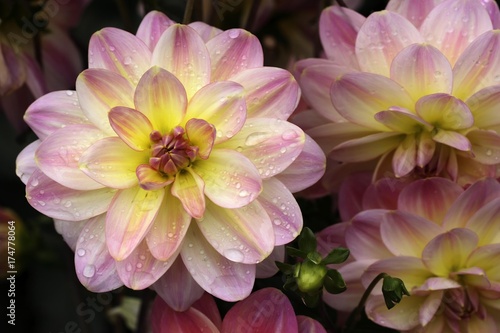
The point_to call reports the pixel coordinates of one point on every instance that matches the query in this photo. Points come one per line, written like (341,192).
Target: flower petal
(422,70)
(449,251)
(444,111)
(206,305)
(231,180)
(131,126)
(243,235)
(58,155)
(359,96)
(402,121)
(266,310)
(363,236)
(271,144)
(429,198)
(59,202)
(338,29)
(188,187)
(452,31)
(161,97)
(53,111)
(129,218)
(315,81)
(309,325)
(366,148)
(269,92)
(453,139)
(351,191)
(485,146)
(405,234)
(202,135)
(182,52)
(283,210)
(219,276)
(112,163)
(405,156)
(414,11)
(177,287)
(384,193)
(222,104)
(409,269)
(151,179)
(120,52)
(483,105)
(405,318)
(485,223)
(70,230)
(25,161)
(478,66)
(380,38)
(206,32)
(267,268)
(94,267)
(476,196)
(168,229)
(232,52)
(486,257)
(164,320)
(152,26)
(306,170)
(100,90)
(348,300)
(140,269)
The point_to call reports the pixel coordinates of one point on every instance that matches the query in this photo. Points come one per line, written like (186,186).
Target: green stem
(188,12)
(356,313)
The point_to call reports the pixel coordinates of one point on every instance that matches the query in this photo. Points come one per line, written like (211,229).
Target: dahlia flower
(37,54)
(175,144)
(413,88)
(266,310)
(443,242)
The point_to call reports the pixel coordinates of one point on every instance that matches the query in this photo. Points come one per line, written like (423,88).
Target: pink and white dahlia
(413,88)
(443,242)
(175,144)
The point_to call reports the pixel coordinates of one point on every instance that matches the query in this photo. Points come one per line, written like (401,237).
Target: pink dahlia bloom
(264,311)
(413,88)
(443,242)
(175,144)
(37,54)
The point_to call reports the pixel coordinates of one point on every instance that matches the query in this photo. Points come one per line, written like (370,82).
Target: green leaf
(307,241)
(315,257)
(393,290)
(285,268)
(334,282)
(336,256)
(295,252)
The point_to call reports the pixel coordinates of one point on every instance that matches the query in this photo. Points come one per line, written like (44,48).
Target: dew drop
(112,48)
(256,138)
(489,152)
(277,221)
(234,33)
(283,150)
(244,193)
(234,255)
(190,245)
(127,61)
(139,265)
(142,257)
(237,185)
(34,182)
(89,271)
(80,252)
(129,267)
(69,93)
(170,235)
(67,204)
(289,135)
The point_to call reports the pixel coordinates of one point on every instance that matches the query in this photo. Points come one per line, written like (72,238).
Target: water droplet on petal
(112,48)
(80,252)
(234,255)
(234,33)
(244,193)
(34,182)
(69,93)
(129,267)
(289,135)
(489,152)
(89,271)
(127,61)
